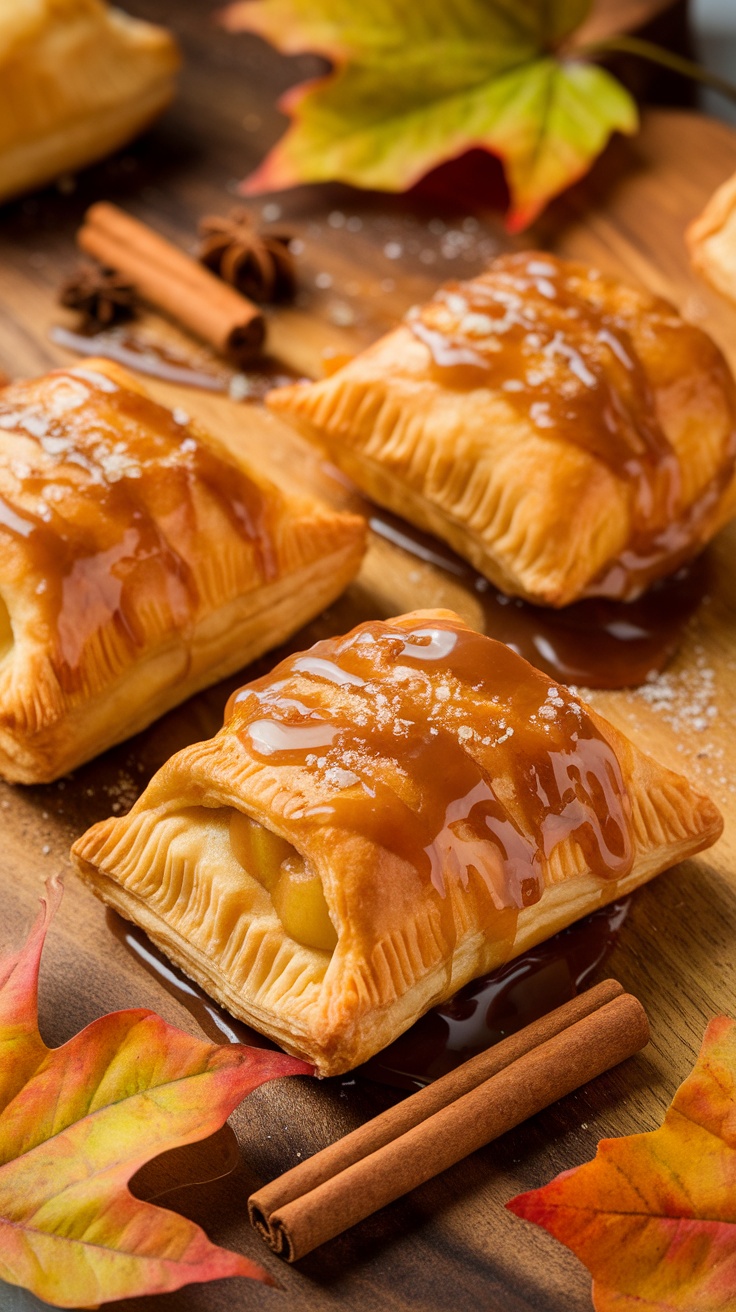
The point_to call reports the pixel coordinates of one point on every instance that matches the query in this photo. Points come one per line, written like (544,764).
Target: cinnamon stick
(437,1127)
(173,282)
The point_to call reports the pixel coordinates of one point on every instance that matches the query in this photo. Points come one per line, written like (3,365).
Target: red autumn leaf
(653,1216)
(77,1122)
(415,85)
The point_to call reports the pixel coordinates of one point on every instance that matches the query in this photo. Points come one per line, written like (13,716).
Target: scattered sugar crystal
(354,224)
(45,849)
(340,778)
(465,733)
(323,281)
(271,212)
(456,304)
(336,219)
(296,246)
(477,325)
(239,387)
(341,314)
(393,250)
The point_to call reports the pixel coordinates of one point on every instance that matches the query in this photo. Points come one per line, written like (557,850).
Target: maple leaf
(653,1216)
(416,84)
(77,1122)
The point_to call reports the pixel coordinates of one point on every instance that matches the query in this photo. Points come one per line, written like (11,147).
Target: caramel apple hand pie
(381,819)
(138,564)
(569,435)
(77,81)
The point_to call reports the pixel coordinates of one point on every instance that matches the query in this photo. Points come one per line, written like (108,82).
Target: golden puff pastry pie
(77,81)
(569,435)
(711,239)
(380,820)
(138,564)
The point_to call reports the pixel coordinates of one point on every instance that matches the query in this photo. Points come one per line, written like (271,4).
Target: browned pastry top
(595,363)
(104,497)
(429,739)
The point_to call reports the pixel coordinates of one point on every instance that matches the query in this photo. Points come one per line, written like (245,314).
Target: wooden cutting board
(365,258)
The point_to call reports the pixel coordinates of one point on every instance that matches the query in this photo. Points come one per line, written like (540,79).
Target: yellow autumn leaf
(416,85)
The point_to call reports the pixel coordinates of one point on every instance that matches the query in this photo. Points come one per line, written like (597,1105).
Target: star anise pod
(103,298)
(257,262)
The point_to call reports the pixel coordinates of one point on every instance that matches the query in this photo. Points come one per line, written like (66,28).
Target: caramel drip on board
(448,750)
(157,360)
(100,483)
(484,1011)
(595,643)
(500,1003)
(563,345)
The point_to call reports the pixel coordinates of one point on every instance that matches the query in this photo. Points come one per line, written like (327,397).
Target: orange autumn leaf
(653,1216)
(77,1122)
(415,85)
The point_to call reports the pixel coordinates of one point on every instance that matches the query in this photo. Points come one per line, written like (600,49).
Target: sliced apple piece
(296,890)
(258,849)
(300,904)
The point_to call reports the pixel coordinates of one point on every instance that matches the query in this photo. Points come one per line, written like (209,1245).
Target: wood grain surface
(451,1244)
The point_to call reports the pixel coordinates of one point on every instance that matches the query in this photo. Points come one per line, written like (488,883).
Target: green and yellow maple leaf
(414,85)
(77,1122)
(653,1216)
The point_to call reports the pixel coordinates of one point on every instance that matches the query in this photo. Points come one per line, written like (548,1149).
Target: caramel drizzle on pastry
(560,342)
(100,482)
(445,748)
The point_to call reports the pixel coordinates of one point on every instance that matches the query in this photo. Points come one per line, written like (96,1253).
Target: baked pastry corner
(79,79)
(711,240)
(383,818)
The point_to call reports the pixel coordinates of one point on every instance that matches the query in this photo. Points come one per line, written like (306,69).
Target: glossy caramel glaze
(445,748)
(102,489)
(589,361)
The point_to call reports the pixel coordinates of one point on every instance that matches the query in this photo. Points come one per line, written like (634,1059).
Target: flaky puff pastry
(138,564)
(381,819)
(569,435)
(78,79)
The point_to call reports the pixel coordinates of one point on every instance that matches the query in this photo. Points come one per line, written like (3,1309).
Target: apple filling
(296,890)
